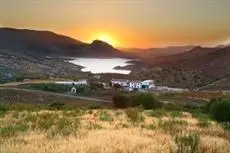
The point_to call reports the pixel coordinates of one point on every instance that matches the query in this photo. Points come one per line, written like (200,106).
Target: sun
(106,38)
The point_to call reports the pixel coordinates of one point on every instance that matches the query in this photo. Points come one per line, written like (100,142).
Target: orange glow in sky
(106,37)
(124,23)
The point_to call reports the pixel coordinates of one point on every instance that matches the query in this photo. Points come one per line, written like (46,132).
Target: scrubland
(130,130)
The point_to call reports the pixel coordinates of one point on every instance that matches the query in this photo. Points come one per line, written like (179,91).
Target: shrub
(94,106)
(120,101)
(3,108)
(200,116)
(94,126)
(221,111)
(172,126)
(66,126)
(12,130)
(2,113)
(147,101)
(187,143)
(45,121)
(175,114)
(203,123)
(134,115)
(158,113)
(57,105)
(104,116)
(226,126)
(20,107)
(150,127)
(208,106)
(117,86)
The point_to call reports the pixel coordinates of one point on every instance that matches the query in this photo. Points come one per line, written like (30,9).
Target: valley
(24,54)
(114,76)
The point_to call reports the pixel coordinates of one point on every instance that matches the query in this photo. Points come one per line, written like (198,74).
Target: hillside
(45,43)
(183,56)
(219,85)
(31,42)
(42,53)
(196,68)
(156,52)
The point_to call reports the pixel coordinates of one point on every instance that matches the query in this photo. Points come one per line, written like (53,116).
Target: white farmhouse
(122,83)
(135,84)
(148,84)
(80,82)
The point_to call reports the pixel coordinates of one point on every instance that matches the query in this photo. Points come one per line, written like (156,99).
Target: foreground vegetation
(57,128)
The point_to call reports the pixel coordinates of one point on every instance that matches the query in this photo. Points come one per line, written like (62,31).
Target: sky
(125,23)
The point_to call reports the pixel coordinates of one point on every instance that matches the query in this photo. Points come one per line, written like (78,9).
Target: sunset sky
(125,23)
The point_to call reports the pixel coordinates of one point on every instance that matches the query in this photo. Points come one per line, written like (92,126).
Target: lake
(102,65)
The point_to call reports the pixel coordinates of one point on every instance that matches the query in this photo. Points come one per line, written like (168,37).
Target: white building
(80,82)
(135,84)
(148,84)
(73,90)
(122,83)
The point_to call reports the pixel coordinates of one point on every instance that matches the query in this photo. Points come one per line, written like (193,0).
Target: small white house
(148,84)
(122,83)
(96,76)
(135,84)
(73,90)
(80,82)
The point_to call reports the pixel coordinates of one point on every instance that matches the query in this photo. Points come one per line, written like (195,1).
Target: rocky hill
(45,43)
(195,68)
(43,53)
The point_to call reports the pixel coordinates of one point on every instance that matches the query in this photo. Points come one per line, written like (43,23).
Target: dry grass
(105,131)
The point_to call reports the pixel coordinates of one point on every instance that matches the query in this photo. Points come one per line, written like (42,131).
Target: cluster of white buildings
(126,85)
(133,84)
(79,82)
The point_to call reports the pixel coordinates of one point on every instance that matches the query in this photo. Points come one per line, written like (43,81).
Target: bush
(134,115)
(187,143)
(208,106)
(221,111)
(120,101)
(172,125)
(158,113)
(147,101)
(12,130)
(104,116)
(203,123)
(94,106)
(57,105)
(175,114)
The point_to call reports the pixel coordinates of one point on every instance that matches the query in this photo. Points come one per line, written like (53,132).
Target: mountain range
(24,50)
(191,69)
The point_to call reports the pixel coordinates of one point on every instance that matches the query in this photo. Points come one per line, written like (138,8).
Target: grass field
(31,129)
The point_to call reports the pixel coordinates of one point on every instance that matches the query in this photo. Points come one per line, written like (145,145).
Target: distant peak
(223,45)
(196,48)
(100,42)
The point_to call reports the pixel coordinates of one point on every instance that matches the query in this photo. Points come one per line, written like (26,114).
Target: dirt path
(26,82)
(58,94)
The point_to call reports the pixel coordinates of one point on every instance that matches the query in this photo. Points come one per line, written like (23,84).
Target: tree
(120,101)
(208,106)
(117,86)
(147,101)
(220,111)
